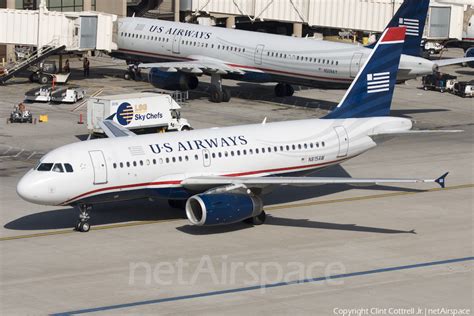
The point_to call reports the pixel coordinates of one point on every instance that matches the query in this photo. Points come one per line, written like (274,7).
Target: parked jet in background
(178,53)
(221,173)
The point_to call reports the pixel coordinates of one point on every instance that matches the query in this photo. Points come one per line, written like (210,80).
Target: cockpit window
(45,167)
(68,167)
(58,167)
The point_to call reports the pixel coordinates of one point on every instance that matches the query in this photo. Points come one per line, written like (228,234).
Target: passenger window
(238,152)
(134,163)
(219,154)
(173,159)
(161,161)
(250,151)
(128,164)
(232,153)
(317,145)
(226,154)
(45,167)
(287,147)
(263,150)
(213,155)
(186,158)
(154,161)
(323,144)
(299,146)
(196,157)
(141,162)
(180,158)
(311,145)
(115,166)
(256,150)
(245,152)
(167,160)
(293,147)
(121,165)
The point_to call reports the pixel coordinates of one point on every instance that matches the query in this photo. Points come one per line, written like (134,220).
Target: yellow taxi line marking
(269,208)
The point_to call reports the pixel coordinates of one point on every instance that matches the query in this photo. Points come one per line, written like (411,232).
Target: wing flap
(453,61)
(195,67)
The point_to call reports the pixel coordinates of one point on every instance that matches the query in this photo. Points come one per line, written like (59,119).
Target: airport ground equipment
(39,94)
(67,94)
(464,88)
(439,82)
(140,112)
(46,72)
(20,115)
(32,59)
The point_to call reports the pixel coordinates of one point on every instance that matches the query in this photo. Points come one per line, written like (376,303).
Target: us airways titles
(196,144)
(180,32)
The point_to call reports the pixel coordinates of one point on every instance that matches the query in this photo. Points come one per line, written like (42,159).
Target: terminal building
(446,19)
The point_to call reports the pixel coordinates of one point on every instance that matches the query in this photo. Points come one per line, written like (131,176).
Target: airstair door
(99,166)
(176,44)
(206,158)
(258,54)
(343,141)
(355,64)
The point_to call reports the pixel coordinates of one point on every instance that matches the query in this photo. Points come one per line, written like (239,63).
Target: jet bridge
(52,32)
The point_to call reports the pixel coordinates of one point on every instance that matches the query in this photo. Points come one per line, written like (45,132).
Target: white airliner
(221,173)
(178,53)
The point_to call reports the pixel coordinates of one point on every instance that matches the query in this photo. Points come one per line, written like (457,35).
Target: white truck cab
(139,112)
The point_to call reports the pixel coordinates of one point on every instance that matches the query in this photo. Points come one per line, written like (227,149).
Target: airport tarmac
(323,251)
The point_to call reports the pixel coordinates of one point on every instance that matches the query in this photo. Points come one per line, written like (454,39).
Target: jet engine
(222,208)
(172,80)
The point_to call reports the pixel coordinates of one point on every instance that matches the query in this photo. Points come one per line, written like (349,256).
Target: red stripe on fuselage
(242,66)
(177,182)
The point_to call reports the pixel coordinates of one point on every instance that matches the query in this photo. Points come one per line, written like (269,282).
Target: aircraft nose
(25,189)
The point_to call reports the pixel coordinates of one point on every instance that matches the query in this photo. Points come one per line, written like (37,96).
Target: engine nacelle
(222,208)
(172,80)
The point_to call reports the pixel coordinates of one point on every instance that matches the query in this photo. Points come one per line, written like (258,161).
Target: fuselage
(263,57)
(104,170)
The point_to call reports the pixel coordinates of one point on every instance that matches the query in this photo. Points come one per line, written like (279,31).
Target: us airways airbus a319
(178,53)
(220,174)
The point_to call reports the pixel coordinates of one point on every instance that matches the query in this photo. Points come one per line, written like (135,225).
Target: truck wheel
(43,79)
(185,128)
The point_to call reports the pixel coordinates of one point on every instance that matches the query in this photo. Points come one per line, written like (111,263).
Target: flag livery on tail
(411,14)
(370,94)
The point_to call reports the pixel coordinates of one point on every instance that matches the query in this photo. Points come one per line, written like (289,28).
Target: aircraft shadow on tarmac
(146,210)
(290,222)
(409,112)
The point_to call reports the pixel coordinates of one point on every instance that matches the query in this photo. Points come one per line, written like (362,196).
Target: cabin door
(176,44)
(99,166)
(258,54)
(206,158)
(343,141)
(355,64)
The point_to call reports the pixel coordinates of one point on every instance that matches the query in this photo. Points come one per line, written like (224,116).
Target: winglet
(442,180)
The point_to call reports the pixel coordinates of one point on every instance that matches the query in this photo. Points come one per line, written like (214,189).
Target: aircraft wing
(453,61)
(252,182)
(112,129)
(197,65)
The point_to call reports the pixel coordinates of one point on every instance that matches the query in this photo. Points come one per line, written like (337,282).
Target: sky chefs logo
(378,82)
(412,25)
(125,113)
(180,32)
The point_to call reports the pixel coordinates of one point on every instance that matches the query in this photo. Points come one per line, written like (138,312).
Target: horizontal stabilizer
(453,61)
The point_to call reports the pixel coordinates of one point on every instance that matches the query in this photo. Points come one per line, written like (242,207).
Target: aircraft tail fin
(370,94)
(411,14)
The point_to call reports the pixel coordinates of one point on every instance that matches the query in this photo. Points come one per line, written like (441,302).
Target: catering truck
(139,112)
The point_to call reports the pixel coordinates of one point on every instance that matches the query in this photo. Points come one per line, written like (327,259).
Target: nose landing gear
(83,224)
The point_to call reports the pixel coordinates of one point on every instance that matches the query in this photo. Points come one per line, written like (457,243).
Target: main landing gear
(284,90)
(257,220)
(217,93)
(83,224)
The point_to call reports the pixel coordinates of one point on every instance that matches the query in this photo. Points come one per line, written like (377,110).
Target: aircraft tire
(289,90)
(280,90)
(83,227)
(226,96)
(216,96)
